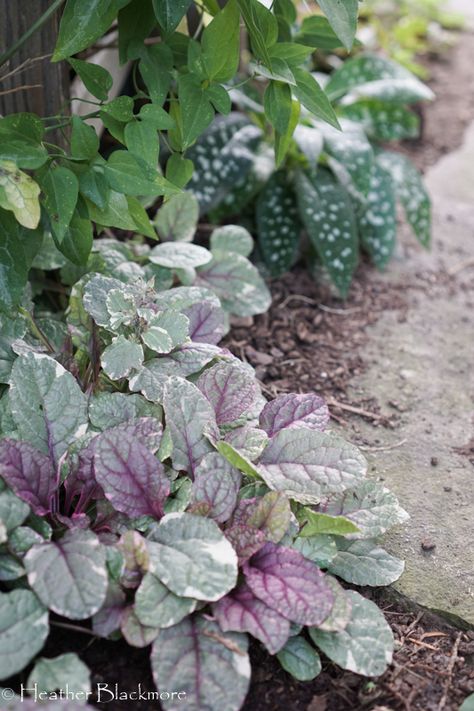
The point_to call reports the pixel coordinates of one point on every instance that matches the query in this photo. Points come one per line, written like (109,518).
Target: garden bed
(310,340)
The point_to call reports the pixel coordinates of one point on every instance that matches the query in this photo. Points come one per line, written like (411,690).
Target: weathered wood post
(48,84)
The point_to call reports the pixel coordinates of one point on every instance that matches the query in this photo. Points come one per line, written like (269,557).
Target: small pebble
(428,545)
(434,461)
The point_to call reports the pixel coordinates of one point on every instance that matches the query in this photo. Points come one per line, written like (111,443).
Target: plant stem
(35,330)
(73,628)
(30,31)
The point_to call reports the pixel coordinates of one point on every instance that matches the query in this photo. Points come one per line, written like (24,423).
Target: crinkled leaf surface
(365,563)
(192,658)
(321,549)
(29,473)
(48,406)
(270,513)
(305,464)
(245,540)
(195,559)
(230,388)
(365,646)
(292,410)
(217,483)
(165,330)
(133,479)
(300,659)
(189,418)
(121,357)
(69,575)
(290,584)
(340,615)
(135,556)
(207,322)
(112,409)
(249,441)
(372,507)
(237,283)
(188,359)
(23,630)
(241,611)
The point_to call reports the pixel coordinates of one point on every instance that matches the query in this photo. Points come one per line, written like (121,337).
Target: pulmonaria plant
(150,489)
(338,185)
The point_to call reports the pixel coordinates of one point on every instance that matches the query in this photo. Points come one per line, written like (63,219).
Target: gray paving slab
(424,362)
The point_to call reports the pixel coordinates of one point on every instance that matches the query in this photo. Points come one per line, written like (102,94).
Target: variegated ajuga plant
(150,491)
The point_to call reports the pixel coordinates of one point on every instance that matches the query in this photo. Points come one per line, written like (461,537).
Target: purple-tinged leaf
(293,410)
(107,620)
(207,322)
(270,513)
(216,483)
(148,430)
(80,484)
(79,521)
(29,473)
(188,359)
(230,388)
(190,421)
(211,667)
(241,611)
(133,480)
(245,540)
(307,465)
(290,584)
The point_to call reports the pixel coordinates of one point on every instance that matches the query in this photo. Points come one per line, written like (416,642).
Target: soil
(443,121)
(309,340)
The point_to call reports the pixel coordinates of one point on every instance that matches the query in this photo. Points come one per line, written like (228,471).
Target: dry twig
(452,662)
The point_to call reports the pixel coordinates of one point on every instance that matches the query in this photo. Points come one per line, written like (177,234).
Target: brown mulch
(444,120)
(432,670)
(310,340)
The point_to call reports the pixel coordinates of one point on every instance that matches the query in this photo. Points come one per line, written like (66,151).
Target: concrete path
(423,361)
